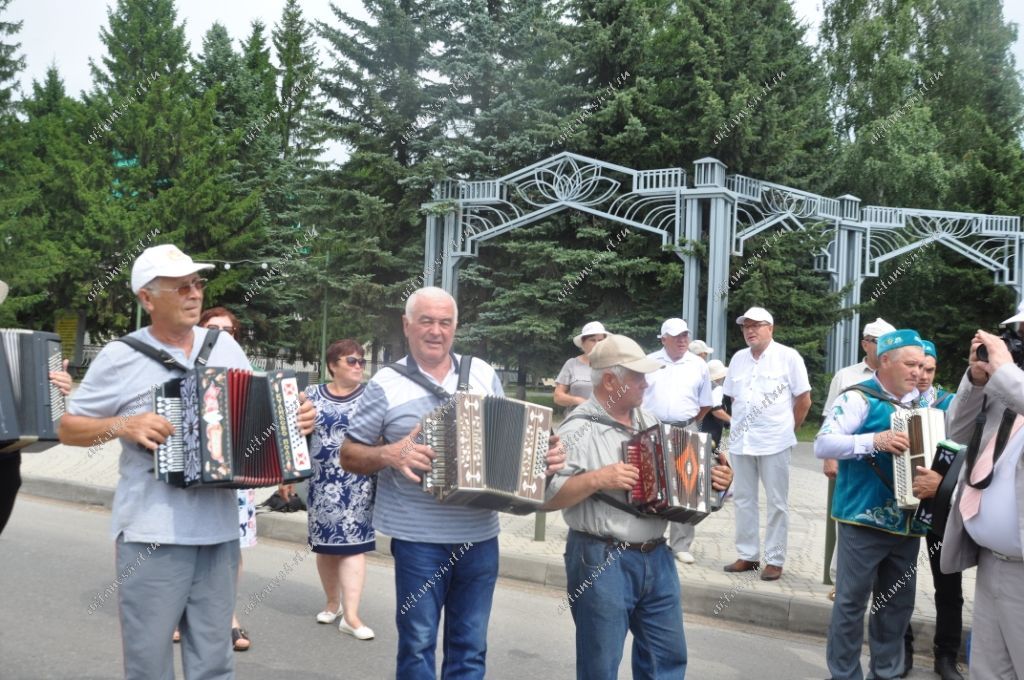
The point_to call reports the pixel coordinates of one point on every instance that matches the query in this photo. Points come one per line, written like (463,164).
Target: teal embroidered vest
(861,497)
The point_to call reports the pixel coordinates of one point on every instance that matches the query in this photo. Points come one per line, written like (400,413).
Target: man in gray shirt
(176,549)
(620,573)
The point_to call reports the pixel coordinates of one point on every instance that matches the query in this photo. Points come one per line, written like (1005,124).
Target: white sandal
(328,617)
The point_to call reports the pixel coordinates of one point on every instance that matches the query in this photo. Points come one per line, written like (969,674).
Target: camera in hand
(1013,343)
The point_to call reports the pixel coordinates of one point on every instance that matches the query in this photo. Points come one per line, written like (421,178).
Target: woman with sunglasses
(219,318)
(572,386)
(340,502)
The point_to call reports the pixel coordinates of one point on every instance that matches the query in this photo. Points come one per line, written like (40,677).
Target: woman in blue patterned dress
(340,503)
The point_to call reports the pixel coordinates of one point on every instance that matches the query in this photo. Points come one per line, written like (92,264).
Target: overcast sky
(66,32)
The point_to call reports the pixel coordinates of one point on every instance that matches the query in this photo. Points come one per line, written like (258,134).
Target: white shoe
(360,633)
(327,617)
(685,557)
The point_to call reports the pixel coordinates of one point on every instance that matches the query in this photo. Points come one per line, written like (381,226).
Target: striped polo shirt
(389,408)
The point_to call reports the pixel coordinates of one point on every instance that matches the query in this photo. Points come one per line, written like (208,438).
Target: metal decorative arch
(725,211)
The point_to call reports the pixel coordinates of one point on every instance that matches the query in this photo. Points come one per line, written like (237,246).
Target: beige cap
(618,350)
(700,347)
(717,369)
(163,260)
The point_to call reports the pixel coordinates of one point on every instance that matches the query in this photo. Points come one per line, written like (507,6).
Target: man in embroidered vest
(986,521)
(619,573)
(446,556)
(949,598)
(877,542)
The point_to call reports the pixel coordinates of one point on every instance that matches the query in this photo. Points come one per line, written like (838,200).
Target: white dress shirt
(677,392)
(846,377)
(835,438)
(762,392)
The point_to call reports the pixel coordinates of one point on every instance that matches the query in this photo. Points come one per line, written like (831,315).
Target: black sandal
(240,634)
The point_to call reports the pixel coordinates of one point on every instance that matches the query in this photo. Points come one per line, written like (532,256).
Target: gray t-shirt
(389,408)
(119,383)
(576,375)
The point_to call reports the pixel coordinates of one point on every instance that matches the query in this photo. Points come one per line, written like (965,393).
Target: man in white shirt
(678,395)
(770,399)
(846,377)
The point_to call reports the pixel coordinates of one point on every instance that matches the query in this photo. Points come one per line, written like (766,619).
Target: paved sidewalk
(797,602)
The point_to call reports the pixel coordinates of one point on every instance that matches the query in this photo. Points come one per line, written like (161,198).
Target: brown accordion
(30,405)
(232,428)
(491,452)
(675,473)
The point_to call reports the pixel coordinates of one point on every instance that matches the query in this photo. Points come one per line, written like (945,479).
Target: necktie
(970,501)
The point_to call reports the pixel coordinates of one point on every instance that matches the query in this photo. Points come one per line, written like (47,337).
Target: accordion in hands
(232,428)
(925,427)
(491,452)
(675,473)
(30,405)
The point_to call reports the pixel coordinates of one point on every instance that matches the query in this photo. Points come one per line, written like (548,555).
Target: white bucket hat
(591,328)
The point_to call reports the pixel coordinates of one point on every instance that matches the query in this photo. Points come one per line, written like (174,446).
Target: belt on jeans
(1005,558)
(644,547)
(680,423)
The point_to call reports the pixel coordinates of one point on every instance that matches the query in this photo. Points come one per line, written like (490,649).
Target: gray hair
(597,374)
(433,293)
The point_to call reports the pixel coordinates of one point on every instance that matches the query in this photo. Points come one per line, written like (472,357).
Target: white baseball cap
(673,326)
(700,347)
(878,328)
(163,260)
(591,328)
(618,350)
(756,314)
(1016,318)
(3,292)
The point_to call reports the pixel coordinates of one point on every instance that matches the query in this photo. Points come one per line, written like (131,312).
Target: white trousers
(680,536)
(772,472)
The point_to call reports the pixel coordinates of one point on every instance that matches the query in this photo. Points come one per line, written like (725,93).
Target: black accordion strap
(601,495)
(162,357)
(412,372)
(870,391)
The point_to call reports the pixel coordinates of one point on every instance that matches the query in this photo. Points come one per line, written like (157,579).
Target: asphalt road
(57,558)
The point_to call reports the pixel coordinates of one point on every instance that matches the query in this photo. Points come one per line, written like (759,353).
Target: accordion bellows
(232,428)
(30,405)
(675,473)
(491,452)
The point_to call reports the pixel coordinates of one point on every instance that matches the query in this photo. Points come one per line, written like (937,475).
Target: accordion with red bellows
(232,428)
(675,473)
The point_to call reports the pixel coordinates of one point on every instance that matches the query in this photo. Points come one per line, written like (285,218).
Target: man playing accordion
(878,542)
(621,575)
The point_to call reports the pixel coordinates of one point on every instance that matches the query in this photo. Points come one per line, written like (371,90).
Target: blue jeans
(457,577)
(612,590)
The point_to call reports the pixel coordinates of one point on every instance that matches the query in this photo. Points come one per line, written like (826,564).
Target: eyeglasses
(226,329)
(751,326)
(185,288)
(352,361)
(873,341)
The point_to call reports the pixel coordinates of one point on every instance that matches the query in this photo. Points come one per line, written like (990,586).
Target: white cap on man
(878,328)
(756,314)
(673,326)
(163,260)
(1016,318)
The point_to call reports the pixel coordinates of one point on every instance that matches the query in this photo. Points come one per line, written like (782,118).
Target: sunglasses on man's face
(352,361)
(184,289)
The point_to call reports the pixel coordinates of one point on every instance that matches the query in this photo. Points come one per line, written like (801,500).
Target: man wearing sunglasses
(188,578)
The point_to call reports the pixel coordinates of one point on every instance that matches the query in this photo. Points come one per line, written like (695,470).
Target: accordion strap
(412,372)
(872,392)
(601,495)
(161,356)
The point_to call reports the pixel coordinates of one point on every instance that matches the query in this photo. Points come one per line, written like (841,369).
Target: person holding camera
(986,522)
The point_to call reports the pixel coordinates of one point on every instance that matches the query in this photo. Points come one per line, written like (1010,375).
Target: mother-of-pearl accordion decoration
(925,427)
(675,473)
(491,452)
(232,428)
